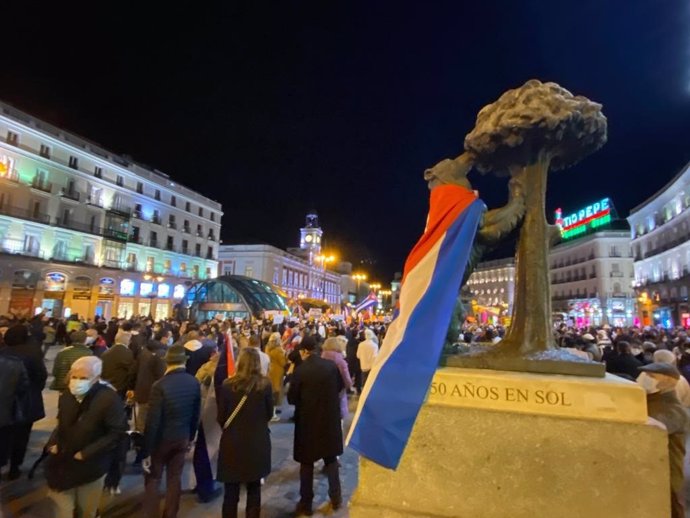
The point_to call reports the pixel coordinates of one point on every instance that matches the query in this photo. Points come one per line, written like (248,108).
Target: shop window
(127,288)
(178,292)
(106,286)
(125,309)
(163,291)
(166,266)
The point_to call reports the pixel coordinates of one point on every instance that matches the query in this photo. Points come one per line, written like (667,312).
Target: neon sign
(590,217)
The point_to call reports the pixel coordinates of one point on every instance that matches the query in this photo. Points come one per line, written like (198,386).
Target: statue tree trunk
(530,329)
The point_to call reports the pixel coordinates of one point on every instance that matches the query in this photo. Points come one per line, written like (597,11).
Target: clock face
(308,238)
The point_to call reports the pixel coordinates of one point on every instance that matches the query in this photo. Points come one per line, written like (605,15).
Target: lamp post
(359,277)
(324,259)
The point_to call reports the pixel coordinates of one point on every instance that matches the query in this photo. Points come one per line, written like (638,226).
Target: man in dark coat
(171,424)
(315,391)
(91,423)
(624,363)
(139,339)
(659,381)
(14,388)
(118,364)
(18,345)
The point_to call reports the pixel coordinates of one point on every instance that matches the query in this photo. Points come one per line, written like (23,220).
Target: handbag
(239,406)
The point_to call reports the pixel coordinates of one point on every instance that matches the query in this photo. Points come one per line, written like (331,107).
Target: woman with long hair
(244,411)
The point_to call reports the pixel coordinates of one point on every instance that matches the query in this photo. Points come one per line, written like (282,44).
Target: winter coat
(315,391)
(276,369)
(118,366)
(174,409)
(197,355)
(93,427)
(624,364)
(138,343)
(339,360)
(245,447)
(63,363)
(149,368)
(32,358)
(14,387)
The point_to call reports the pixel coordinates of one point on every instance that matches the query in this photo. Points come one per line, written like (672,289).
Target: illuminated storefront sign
(163,291)
(106,286)
(590,217)
(145,289)
(178,293)
(127,288)
(55,282)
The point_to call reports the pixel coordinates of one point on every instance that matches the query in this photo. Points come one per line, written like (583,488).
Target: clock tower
(310,235)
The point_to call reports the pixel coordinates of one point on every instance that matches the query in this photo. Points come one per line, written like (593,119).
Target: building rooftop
(88,146)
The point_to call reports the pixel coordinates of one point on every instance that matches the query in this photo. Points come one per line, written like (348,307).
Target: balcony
(29,215)
(211,237)
(155,220)
(111,263)
(41,185)
(616,274)
(172,224)
(10,176)
(115,235)
(76,225)
(186,230)
(70,195)
(94,201)
(121,210)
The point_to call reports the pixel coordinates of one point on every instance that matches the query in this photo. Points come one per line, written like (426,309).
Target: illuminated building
(84,231)
(592,268)
(492,289)
(299,272)
(660,230)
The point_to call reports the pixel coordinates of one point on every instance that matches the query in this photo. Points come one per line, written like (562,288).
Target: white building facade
(492,288)
(85,231)
(592,277)
(660,230)
(300,272)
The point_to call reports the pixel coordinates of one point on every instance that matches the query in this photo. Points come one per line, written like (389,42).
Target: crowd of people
(170,390)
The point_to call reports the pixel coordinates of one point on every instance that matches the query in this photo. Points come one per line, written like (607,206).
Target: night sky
(275,108)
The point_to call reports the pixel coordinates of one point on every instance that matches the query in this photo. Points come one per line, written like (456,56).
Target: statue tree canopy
(527,132)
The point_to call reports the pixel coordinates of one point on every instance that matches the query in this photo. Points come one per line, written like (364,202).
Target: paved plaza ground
(280,493)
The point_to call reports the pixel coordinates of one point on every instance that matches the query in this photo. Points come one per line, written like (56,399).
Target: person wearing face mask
(659,381)
(65,358)
(91,423)
(95,342)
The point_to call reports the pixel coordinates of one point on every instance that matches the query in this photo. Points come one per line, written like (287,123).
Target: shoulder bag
(239,406)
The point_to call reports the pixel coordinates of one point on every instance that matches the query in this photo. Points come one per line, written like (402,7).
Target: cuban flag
(368,303)
(399,380)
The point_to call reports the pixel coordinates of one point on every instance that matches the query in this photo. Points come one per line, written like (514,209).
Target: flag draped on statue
(407,361)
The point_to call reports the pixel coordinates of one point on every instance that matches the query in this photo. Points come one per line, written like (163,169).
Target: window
(197,250)
(135,234)
(195,271)
(98,172)
(156,217)
(183,267)
(188,207)
(120,181)
(36,209)
(149,264)
(173,201)
(213,216)
(170,244)
(73,162)
(140,187)
(201,212)
(249,271)
(137,211)
(153,239)
(185,246)
(186,226)
(12,138)
(199,231)
(157,194)
(171,221)
(45,151)
(166,266)
(209,255)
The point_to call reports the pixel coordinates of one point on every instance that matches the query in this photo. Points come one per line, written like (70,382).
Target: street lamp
(324,259)
(359,277)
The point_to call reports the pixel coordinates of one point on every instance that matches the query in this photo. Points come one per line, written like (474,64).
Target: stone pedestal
(490,444)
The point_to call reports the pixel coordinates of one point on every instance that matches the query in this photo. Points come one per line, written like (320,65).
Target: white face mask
(79,388)
(649,384)
(170,341)
(89,340)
